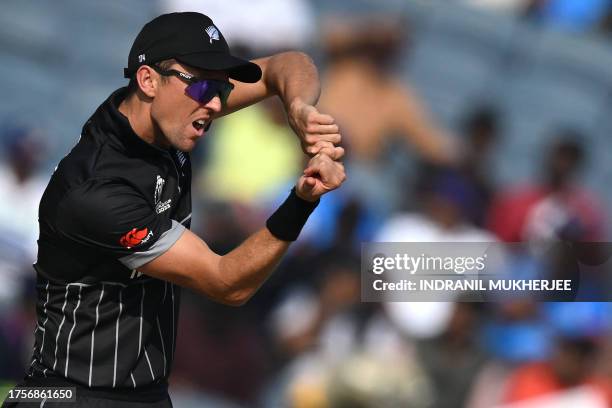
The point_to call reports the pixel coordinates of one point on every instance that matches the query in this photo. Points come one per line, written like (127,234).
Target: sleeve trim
(165,241)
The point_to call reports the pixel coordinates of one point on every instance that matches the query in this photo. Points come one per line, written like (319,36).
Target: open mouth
(199,124)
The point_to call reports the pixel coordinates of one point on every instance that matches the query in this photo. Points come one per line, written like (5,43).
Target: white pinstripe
(172,288)
(117,340)
(93,335)
(141,312)
(42,345)
(149,361)
(59,330)
(117,324)
(140,335)
(162,342)
(70,334)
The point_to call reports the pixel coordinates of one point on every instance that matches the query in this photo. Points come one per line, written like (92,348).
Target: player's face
(181,119)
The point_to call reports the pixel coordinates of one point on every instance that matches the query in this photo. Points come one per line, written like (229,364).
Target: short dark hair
(132,86)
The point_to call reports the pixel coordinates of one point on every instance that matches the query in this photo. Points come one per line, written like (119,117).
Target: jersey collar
(117,127)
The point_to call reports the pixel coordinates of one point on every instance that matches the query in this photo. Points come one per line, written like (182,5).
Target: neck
(138,113)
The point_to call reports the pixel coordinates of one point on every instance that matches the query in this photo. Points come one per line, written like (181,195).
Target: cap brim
(237,68)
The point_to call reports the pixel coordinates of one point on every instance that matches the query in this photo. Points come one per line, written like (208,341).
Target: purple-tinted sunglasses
(200,90)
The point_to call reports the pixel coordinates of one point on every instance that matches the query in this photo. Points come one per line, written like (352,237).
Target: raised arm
(290,75)
(293,77)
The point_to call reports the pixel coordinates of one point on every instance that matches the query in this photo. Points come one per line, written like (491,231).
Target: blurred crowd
(306,339)
(571,15)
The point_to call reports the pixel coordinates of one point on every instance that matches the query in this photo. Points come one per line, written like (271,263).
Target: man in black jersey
(114,241)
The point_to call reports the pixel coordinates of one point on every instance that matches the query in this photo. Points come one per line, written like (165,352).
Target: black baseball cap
(190,38)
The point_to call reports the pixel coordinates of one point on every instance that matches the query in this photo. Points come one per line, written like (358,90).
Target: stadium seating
(58,66)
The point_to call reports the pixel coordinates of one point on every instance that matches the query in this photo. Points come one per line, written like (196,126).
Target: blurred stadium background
(463,120)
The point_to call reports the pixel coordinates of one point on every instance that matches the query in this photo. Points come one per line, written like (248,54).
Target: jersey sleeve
(114,218)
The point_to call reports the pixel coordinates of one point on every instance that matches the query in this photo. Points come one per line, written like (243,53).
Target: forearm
(230,279)
(247,267)
(292,76)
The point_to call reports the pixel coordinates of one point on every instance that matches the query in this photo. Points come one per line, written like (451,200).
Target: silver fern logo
(159,185)
(213,33)
(160,206)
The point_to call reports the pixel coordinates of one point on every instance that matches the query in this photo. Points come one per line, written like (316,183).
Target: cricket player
(115,245)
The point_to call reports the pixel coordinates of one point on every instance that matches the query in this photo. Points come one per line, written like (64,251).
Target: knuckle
(329,147)
(327,150)
(310,139)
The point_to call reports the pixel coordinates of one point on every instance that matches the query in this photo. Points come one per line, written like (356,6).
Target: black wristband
(288,220)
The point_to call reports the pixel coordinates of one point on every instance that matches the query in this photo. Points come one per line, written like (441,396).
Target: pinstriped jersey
(113,204)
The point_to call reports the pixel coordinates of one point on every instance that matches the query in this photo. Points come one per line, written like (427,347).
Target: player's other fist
(322,174)
(318,132)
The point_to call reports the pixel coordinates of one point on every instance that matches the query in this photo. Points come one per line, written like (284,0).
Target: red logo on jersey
(134,237)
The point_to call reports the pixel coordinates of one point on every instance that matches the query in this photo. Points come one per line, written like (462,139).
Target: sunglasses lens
(200,91)
(204,91)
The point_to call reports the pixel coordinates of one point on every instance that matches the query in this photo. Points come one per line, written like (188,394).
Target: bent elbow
(302,55)
(236,298)
(229,295)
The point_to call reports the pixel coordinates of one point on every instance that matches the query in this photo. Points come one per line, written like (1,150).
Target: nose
(214,104)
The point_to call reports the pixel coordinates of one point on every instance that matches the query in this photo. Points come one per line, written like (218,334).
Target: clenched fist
(318,132)
(322,174)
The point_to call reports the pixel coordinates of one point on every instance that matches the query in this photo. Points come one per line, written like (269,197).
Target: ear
(148,80)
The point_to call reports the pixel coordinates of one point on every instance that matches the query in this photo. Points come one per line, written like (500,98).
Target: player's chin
(186,145)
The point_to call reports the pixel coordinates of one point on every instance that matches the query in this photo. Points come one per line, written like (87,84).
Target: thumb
(309,172)
(309,183)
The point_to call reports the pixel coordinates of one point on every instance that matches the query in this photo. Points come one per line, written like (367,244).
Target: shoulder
(100,196)
(110,215)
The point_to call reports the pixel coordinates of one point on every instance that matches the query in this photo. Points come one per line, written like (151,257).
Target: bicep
(230,279)
(189,263)
(246,94)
